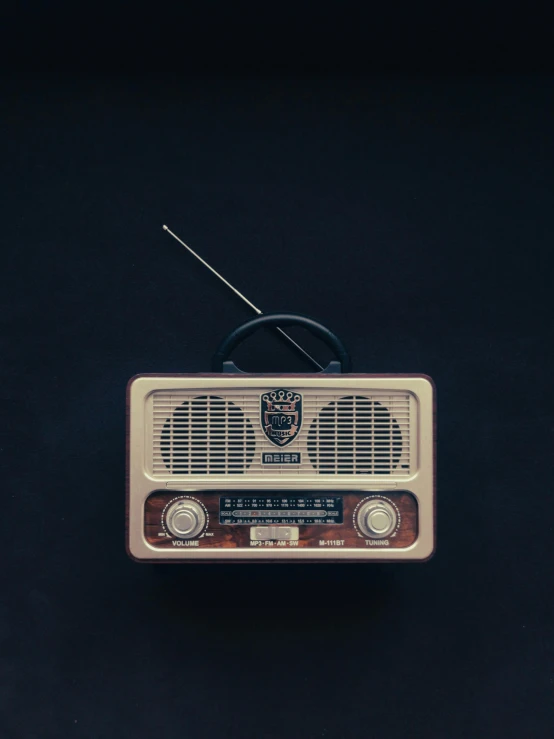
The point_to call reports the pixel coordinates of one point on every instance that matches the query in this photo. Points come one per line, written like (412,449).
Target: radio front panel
(260,468)
(274,521)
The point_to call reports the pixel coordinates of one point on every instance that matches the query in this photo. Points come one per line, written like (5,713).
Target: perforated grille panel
(203,435)
(341,434)
(356,435)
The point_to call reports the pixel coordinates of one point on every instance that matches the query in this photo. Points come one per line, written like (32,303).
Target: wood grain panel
(232,536)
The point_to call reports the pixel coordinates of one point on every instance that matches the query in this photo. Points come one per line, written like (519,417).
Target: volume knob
(377,518)
(185,519)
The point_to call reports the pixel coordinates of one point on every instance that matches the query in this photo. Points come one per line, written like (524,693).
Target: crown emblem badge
(281,416)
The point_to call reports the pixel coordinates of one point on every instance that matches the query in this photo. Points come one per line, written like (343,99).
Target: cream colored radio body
(242,467)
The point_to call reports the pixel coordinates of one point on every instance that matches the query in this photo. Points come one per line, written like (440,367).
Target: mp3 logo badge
(281,412)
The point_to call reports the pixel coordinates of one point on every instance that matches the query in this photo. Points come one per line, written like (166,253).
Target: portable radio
(231,466)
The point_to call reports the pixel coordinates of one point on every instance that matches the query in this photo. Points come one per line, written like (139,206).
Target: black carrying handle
(221,363)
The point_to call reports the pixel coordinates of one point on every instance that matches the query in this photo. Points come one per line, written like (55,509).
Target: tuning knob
(185,519)
(377,518)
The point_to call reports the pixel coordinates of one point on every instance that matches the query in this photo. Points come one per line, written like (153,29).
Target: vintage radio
(230,466)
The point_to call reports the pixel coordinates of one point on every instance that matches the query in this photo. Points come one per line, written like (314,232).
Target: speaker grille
(221,434)
(203,435)
(355,435)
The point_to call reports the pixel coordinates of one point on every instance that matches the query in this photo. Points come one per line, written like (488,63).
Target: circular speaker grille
(354,435)
(207,435)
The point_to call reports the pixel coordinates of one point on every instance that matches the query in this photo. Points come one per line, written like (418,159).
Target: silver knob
(377,518)
(185,519)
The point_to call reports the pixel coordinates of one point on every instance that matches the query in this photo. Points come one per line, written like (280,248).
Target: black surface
(413,216)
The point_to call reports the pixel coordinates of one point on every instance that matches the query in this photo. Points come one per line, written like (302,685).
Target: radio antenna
(243,298)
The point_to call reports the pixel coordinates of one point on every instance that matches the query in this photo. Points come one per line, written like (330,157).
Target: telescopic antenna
(243,298)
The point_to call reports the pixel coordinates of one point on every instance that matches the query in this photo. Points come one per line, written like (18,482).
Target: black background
(388,172)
